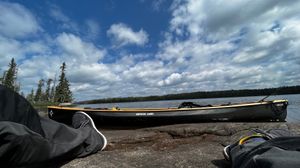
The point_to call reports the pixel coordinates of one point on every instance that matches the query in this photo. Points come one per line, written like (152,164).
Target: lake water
(293,107)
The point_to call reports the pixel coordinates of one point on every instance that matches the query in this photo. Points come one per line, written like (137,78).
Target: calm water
(293,107)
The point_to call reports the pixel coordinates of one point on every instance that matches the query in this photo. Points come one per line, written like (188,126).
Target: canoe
(275,110)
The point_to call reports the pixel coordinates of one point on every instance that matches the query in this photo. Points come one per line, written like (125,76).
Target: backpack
(276,148)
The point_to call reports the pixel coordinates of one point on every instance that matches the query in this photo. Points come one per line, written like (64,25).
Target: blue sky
(144,47)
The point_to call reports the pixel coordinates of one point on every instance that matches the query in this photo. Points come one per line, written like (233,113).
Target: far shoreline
(201,95)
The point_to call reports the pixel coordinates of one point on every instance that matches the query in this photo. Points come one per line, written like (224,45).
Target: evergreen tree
(10,76)
(39,92)
(30,96)
(18,87)
(47,92)
(62,91)
(2,78)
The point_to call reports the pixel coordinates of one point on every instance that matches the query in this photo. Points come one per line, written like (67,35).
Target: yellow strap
(244,139)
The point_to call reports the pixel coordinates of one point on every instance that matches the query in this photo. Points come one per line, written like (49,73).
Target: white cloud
(248,56)
(158,4)
(222,19)
(11,48)
(221,45)
(8,49)
(122,35)
(174,78)
(271,45)
(35,68)
(147,73)
(92,73)
(93,29)
(57,14)
(82,59)
(39,66)
(65,22)
(208,46)
(78,50)
(16,21)
(193,52)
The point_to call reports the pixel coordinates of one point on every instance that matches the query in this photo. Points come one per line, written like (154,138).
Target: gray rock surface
(182,145)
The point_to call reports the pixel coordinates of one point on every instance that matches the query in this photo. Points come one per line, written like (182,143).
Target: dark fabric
(83,141)
(274,133)
(16,108)
(27,140)
(282,150)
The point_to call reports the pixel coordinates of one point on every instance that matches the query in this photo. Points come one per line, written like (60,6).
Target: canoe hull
(265,111)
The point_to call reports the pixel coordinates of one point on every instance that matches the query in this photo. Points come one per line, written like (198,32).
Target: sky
(152,47)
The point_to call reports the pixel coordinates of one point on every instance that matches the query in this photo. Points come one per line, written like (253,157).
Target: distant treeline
(203,94)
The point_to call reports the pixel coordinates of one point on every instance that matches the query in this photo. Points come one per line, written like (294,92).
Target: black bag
(278,149)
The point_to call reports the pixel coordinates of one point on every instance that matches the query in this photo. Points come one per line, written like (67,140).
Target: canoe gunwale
(173,109)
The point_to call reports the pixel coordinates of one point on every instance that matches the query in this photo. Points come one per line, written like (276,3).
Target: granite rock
(181,145)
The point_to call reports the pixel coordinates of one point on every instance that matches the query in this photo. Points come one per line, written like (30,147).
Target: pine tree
(10,76)
(39,92)
(47,92)
(2,78)
(30,96)
(18,87)
(62,91)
